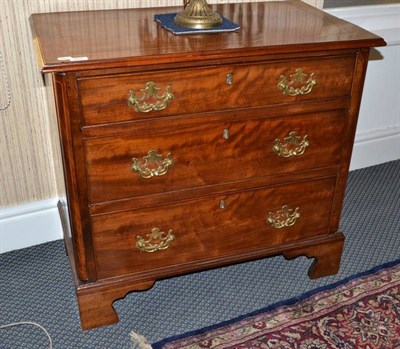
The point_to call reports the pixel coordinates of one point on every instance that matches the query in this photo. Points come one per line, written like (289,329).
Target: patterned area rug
(360,312)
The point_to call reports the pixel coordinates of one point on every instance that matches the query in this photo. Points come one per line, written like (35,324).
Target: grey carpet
(36,285)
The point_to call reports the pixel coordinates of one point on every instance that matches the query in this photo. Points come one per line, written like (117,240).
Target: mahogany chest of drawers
(188,152)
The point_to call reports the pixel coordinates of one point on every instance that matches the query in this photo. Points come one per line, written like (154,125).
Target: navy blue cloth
(167,21)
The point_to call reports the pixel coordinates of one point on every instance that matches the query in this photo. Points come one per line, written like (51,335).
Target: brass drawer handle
(294,145)
(285,217)
(150,99)
(154,165)
(156,240)
(298,83)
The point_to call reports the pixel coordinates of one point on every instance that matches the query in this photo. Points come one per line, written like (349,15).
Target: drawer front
(210,153)
(105,99)
(210,228)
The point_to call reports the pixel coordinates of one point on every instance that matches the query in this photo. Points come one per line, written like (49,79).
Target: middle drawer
(210,153)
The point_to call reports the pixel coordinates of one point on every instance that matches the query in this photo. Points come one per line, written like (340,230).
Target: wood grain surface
(226,178)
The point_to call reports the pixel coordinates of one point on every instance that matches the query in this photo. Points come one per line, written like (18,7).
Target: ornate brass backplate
(298,83)
(156,240)
(154,165)
(285,217)
(294,145)
(150,99)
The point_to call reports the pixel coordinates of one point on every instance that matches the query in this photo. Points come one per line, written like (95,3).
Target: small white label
(73,59)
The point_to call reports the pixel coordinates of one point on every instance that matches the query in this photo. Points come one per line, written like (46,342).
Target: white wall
(378,131)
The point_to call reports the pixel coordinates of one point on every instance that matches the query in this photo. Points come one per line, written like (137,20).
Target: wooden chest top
(128,37)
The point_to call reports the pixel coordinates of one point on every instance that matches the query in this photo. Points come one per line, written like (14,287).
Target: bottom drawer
(209,228)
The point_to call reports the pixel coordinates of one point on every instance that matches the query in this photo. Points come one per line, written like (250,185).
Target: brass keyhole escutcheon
(229,79)
(226,134)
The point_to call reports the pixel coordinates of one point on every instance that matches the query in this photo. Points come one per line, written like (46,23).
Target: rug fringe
(139,341)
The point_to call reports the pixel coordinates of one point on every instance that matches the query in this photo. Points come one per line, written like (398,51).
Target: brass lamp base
(198,15)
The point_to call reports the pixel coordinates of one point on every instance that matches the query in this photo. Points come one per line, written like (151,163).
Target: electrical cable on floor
(29,323)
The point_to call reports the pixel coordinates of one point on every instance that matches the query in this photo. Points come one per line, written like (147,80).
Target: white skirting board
(375,147)
(29,224)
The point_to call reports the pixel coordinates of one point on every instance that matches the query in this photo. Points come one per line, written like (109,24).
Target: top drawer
(133,96)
